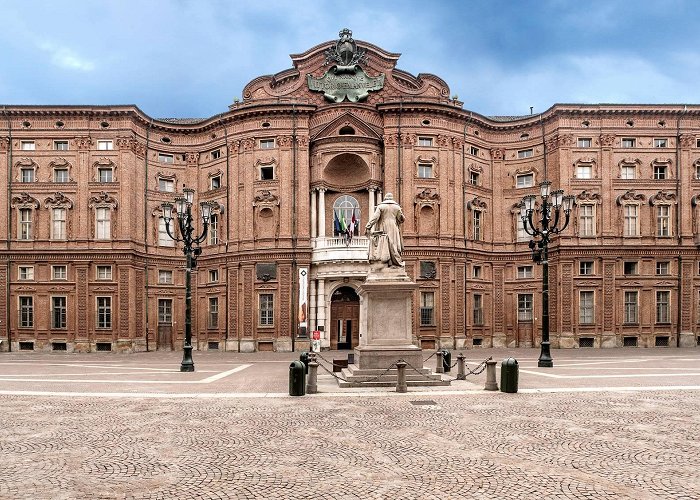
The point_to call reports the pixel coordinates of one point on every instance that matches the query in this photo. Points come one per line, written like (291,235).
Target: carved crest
(427,195)
(345,53)
(630,195)
(265,197)
(476,204)
(102,199)
(588,196)
(663,197)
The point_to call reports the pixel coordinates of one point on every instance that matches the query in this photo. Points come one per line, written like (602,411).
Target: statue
(386,244)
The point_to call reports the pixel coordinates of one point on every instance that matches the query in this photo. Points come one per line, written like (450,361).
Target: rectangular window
(59,272)
(663,268)
(27,175)
(215,182)
(584,171)
(164,240)
(427,308)
(213,275)
(425,170)
(27,145)
(585,267)
(628,142)
(60,145)
(631,307)
(58,224)
(628,172)
(266,309)
(216,154)
(631,222)
(525,153)
(104,175)
(425,141)
(524,308)
(166,185)
(60,175)
(478,311)
(26,312)
(477,225)
(630,268)
(585,308)
(104,272)
(165,158)
(476,272)
(25,272)
(165,312)
(474,151)
(697,171)
(663,306)
(267,143)
(105,145)
(660,172)
(214,229)
(525,180)
(58,312)
(213,312)
(267,173)
(104,312)
(104,223)
(165,277)
(586,220)
(584,142)
(660,143)
(474,178)
(25,223)
(663,220)
(524,272)
(521,233)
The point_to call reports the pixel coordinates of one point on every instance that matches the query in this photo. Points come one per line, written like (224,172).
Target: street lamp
(553,202)
(192,250)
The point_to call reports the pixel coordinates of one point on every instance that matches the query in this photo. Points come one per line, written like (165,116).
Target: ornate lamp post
(192,250)
(549,218)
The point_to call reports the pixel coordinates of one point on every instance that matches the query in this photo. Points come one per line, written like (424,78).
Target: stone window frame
(165,317)
(580,267)
(432,308)
(106,142)
(25,201)
(521,174)
(663,199)
(265,163)
(269,143)
(104,164)
(523,154)
(428,140)
(662,162)
(525,315)
(108,276)
(475,206)
(525,275)
(54,267)
(580,139)
(630,198)
(25,164)
(52,313)
(581,310)
(217,174)
(587,161)
(21,268)
(61,164)
(103,201)
(267,322)
(168,177)
(629,162)
(166,272)
(56,142)
(211,314)
(30,323)
(626,318)
(99,325)
(432,161)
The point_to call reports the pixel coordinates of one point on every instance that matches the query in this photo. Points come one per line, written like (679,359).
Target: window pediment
(24,200)
(630,196)
(58,200)
(663,198)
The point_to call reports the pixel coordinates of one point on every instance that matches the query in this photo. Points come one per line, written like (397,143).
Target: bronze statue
(386,244)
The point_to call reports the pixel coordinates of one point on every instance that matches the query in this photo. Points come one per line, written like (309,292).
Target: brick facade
(79,217)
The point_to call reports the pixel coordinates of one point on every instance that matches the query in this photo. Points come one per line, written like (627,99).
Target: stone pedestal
(386,332)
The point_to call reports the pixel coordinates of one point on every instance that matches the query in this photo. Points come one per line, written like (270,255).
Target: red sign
(316,335)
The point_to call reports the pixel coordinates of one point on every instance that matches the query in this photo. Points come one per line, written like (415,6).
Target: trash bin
(297,379)
(304,358)
(509,375)
(446,360)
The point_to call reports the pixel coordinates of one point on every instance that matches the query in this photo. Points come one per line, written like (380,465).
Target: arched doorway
(345,318)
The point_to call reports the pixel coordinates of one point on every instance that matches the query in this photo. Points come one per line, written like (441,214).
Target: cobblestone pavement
(175,439)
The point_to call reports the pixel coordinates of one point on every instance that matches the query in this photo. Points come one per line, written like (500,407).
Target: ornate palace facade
(296,166)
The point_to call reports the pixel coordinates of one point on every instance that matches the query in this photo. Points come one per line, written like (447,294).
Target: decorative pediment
(475,167)
(630,196)
(515,209)
(60,163)
(661,161)
(58,200)
(476,204)
(101,200)
(587,196)
(169,176)
(663,198)
(629,161)
(427,196)
(585,160)
(607,140)
(192,159)
(266,198)
(24,200)
(338,126)
(26,163)
(498,153)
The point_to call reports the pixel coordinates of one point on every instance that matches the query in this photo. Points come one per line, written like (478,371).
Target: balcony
(326,250)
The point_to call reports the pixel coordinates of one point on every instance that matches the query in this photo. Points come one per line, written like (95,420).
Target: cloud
(66,58)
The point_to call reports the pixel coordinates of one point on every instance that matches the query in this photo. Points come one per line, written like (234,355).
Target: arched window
(346,215)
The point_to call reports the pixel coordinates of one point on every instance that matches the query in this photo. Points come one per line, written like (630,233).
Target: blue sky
(190,58)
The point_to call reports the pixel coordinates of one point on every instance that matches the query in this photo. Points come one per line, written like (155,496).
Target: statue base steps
(376,377)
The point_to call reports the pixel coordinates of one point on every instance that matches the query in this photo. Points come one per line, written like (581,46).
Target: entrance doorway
(345,318)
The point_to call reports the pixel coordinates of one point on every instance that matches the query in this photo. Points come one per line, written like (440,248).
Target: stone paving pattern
(481,445)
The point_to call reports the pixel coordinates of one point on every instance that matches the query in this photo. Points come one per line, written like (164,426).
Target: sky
(191,58)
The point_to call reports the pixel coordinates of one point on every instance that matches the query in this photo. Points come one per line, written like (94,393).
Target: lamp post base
(187,364)
(545,360)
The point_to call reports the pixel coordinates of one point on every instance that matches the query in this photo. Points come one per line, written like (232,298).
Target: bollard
(491,384)
(304,358)
(312,381)
(401,381)
(446,360)
(461,367)
(440,367)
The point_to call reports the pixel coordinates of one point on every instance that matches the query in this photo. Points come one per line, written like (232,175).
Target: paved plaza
(619,423)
